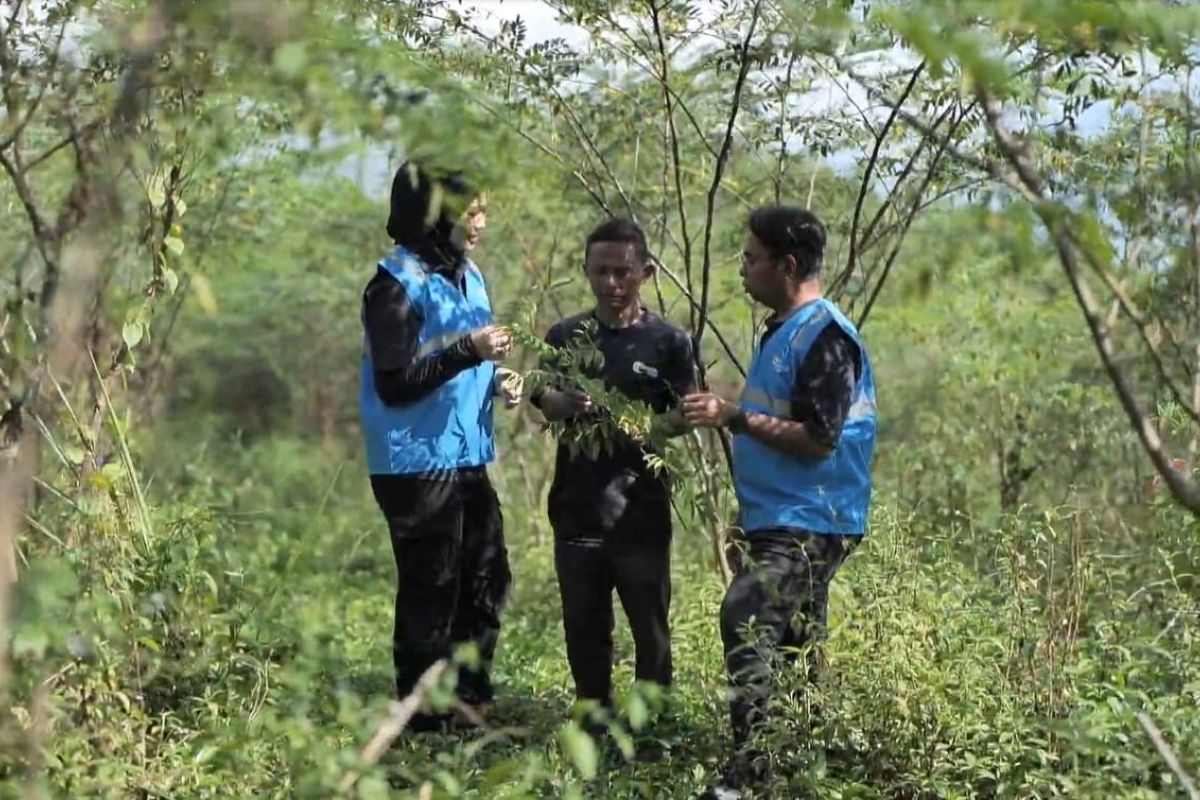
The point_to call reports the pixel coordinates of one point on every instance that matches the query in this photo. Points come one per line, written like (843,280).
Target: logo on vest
(643,369)
(780,361)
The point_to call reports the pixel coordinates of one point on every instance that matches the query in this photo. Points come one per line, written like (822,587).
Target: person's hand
(509,386)
(564,403)
(705,410)
(492,343)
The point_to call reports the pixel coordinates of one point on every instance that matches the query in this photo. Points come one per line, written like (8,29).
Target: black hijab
(414,225)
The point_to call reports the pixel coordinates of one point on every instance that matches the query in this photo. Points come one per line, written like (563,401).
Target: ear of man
(790,266)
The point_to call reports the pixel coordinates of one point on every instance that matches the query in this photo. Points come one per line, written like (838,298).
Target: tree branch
(47,79)
(944,193)
(37,160)
(783,151)
(718,171)
(401,713)
(558,157)
(914,209)
(925,129)
(908,167)
(676,162)
(866,179)
(41,229)
(572,118)
(674,95)
(1126,306)
(1022,176)
(1168,755)
(711,325)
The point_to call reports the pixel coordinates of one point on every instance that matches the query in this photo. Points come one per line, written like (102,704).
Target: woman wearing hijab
(427,385)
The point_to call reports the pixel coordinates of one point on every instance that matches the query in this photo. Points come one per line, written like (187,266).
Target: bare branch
(676,159)
(785,89)
(558,157)
(572,118)
(908,167)
(711,325)
(867,173)
(912,214)
(401,713)
(1168,755)
(925,129)
(718,171)
(41,230)
(862,112)
(926,203)
(672,95)
(1126,305)
(47,79)
(46,154)
(1022,176)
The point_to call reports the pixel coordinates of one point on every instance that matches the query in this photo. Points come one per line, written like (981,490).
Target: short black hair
(794,231)
(621,231)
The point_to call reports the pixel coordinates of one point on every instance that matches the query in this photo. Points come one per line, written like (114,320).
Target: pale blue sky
(826,99)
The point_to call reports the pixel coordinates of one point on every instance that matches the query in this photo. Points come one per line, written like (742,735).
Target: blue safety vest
(451,427)
(778,490)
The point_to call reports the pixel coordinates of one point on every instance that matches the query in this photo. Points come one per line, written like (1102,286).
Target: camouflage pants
(775,607)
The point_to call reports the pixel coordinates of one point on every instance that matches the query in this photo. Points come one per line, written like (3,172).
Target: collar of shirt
(643,312)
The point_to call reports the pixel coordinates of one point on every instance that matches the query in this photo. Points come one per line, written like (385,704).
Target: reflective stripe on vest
(440,342)
(757,397)
(862,407)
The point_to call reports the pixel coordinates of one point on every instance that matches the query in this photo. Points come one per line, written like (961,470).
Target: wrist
(469,348)
(739,423)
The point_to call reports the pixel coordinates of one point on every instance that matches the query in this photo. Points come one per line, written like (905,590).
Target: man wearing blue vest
(803,445)
(426,397)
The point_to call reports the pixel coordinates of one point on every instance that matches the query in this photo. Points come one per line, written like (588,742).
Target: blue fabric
(451,427)
(777,490)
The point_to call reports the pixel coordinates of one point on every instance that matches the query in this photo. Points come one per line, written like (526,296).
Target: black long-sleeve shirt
(393,327)
(824,386)
(615,494)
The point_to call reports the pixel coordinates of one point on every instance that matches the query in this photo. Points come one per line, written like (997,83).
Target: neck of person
(799,294)
(619,318)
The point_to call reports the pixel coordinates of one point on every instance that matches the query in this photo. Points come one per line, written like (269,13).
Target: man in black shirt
(611,513)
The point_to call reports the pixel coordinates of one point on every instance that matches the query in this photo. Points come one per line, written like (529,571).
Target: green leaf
(174,245)
(132,333)
(503,772)
(580,748)
(373,788)
(638,711)
(290,59)
(170,279)
(74,453)
(156,191)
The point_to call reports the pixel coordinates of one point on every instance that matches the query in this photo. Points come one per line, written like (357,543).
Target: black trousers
(589,569)
(776,606)
(453,577)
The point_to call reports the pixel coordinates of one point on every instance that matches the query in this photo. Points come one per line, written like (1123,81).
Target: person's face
(764,276)
(466,231)
(615,273)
